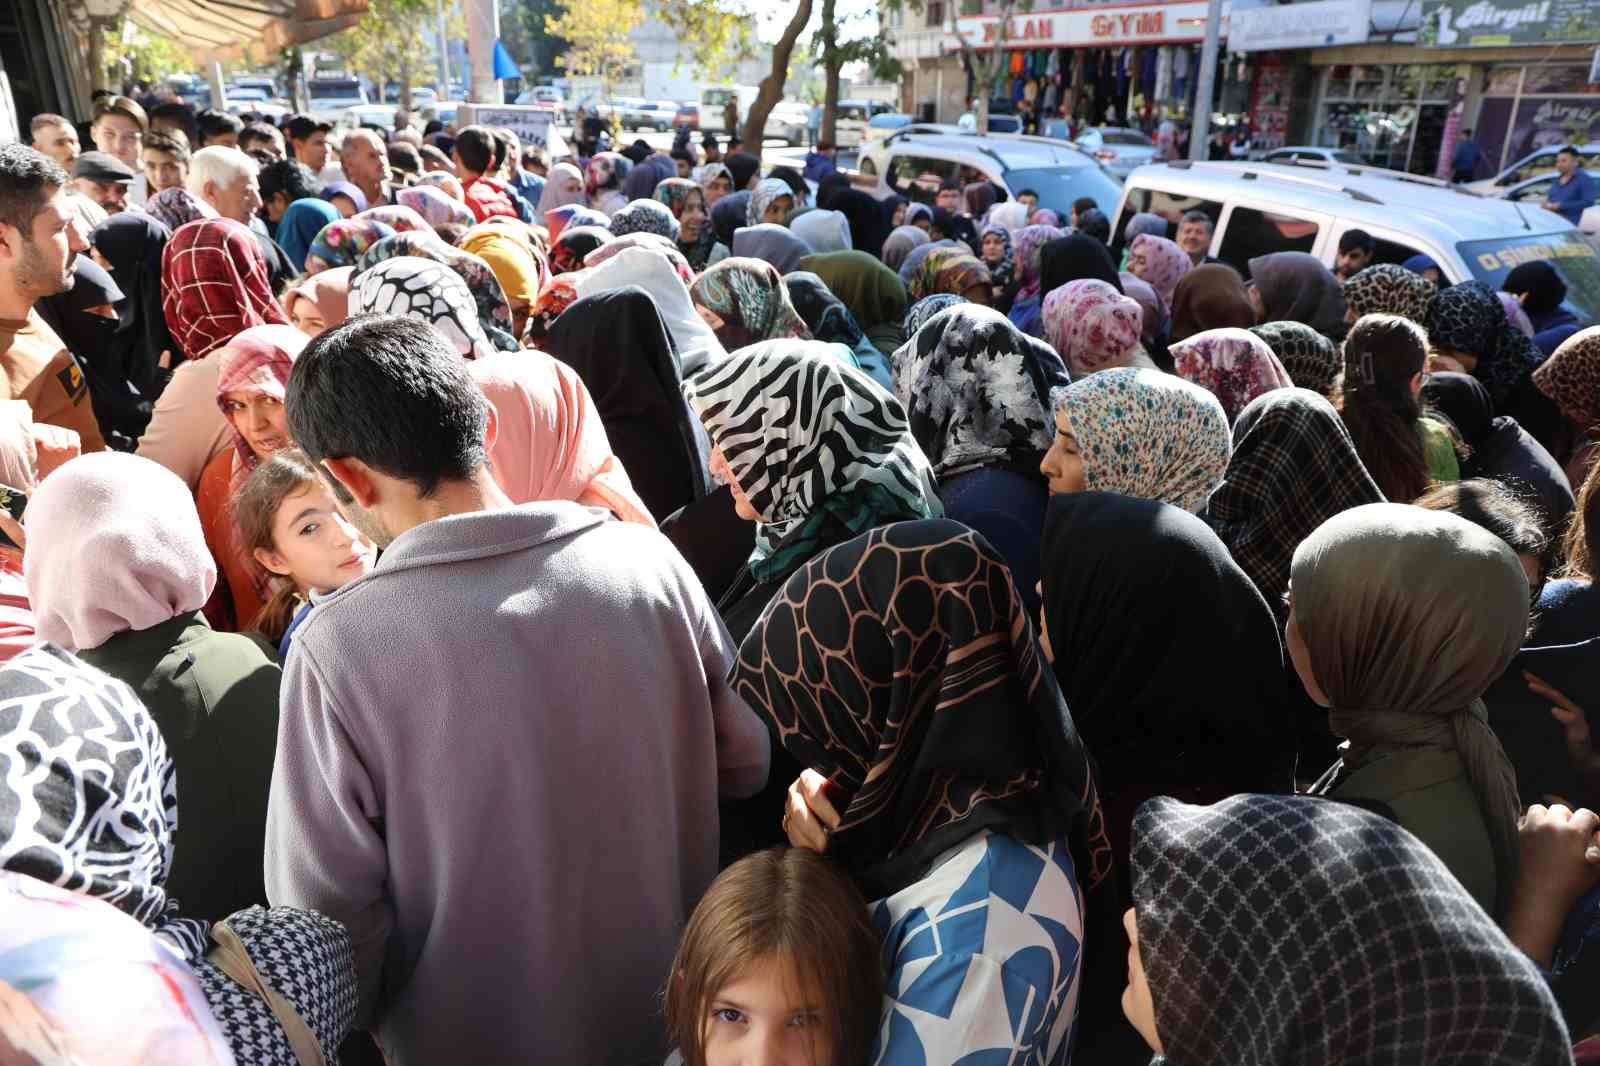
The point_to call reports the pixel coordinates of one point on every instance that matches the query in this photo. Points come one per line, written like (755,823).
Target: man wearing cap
(104,179)
(118,130)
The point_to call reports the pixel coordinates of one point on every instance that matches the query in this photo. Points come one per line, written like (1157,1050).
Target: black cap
(99,166)
(299,127)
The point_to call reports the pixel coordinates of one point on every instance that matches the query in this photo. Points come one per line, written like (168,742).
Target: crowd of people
(652,606)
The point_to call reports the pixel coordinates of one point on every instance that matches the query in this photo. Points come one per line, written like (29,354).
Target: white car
(369,115)
(787,122)
(1118,148)
(1312,154)
(1535,191)
(1532,165)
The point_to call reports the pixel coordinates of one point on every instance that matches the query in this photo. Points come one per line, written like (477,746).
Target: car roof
(1445,213)
(1012,152)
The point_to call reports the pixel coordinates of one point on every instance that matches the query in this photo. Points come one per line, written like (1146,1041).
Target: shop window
(935,14)
(1251,233)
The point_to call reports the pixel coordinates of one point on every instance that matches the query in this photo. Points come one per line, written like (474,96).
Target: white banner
(1313,25)
(1092,27)
(532,124)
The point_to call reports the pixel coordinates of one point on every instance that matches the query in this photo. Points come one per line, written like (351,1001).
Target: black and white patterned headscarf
(88,793)
(1468,318)
(977,390)
(1312,360)
(1293,931)
(425,290)
(645,216)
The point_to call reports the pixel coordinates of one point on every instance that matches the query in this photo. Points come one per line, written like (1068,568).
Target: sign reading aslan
(1089,27)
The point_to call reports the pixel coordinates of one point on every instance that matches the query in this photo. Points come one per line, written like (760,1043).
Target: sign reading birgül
(1490,23)
(1141,24)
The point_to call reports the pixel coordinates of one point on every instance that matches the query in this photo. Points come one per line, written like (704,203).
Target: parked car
(1267,207)
(687,116)
(655,115)
(376,115)
(1542,161)
(998,123)
(787,122)
(1118,148)
(879,126)
(1060,173)
(1536,191)
(330,97)
(1312,154)
(850,121)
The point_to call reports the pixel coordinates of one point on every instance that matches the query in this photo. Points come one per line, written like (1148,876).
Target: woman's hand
(1580,747)
(809,818)
(1559,860)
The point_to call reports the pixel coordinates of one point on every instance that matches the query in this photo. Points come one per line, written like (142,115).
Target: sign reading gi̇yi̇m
(1144,24)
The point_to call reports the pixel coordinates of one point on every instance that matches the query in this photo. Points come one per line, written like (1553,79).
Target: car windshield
(1127,137)
(1347,157)
(1058,186)
(1571,253)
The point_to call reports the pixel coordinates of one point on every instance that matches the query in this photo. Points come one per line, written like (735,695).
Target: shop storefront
(1528,107)
(1391,114)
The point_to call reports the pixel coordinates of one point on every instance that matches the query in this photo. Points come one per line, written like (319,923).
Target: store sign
(530,124)
(1496,23)
(1313,25)
(1089,27)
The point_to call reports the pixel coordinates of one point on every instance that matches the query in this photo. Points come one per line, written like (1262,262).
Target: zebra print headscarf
(822,452)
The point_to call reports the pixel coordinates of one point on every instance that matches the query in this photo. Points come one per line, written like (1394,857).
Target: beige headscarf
(1409,615)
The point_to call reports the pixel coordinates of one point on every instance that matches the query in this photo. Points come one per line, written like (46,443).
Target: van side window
(1170,206)
(1251,233)
(1391,252)
(919,177)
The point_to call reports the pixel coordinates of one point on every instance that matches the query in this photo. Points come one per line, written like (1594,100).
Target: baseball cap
(99,166)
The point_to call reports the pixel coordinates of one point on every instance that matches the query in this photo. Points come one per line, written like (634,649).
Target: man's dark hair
(949,185)
(393,393)
(792,178)
(290,177)
(1027,192)
(708,140)
(683,154)
(432,126)
(1200,216)
(175,113)
(475,146)
(1357,240)
(255,132)
(1093,221)
(825,146)
(403,156)
(299,127)
(173,142)
(502,148)
(1570,149)
(120,105)
(214,123)
(1082,204)
(28,179)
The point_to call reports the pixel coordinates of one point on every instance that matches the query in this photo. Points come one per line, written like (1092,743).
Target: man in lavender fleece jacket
(500,752)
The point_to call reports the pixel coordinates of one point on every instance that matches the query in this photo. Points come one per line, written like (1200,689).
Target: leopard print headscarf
(1571,377)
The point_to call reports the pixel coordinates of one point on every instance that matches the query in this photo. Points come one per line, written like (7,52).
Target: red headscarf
(215,285)
(256,362)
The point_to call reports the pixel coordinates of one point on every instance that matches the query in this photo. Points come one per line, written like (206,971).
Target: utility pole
(1205,85)
(444,55)
(483,30)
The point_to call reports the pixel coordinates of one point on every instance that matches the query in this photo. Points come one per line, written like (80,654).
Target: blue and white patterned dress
(983,957)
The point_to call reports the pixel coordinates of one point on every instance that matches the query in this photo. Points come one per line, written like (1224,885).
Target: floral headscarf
(449,184)
(1026,245)
(215,285)
(175,207)
(751,299)
(575,242)
(924,309)
(653,241)
(952,270)
(999,273)
(607,170)
(1044,216)
(1148,434)
(494,312)
(675,193)
(1468,318)
(711,172)
(563,187)
(1234,364)
(1165,264)
(397,217)
(341,243)
(1571,377)
(645,216)
(436,206)
(1092,325)
(820,449)
(428,291)
(1312,360)
(559,293)
(1388,289)
(762,196)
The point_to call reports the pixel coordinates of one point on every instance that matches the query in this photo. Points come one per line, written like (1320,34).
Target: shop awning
(244,29)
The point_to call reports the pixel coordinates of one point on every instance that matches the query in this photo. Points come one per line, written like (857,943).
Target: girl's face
(923,223)
(305,316)
(1062,465)
(1137,262)
(778,210)
(721,185)
(693,217)
(898,218)
(765,1016)
(258,418)
(994,249)
(1257,304)
(1300,656)
(313,544)
(346,206)
(741,503)
(1136,1001)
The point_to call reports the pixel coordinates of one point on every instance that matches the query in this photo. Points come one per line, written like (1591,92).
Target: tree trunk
(830,75)
(97,55)
(771,90)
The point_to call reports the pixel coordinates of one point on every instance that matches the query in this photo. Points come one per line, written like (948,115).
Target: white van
(850,124)
(715,98)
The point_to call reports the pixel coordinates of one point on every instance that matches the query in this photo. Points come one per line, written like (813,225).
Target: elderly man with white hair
(225,178)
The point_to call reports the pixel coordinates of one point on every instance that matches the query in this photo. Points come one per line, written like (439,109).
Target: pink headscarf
(652,241)
(257,363)
(397,217)
(549,442)
(1044,216)
(434,205)
(1091,325)
(1515,314)
(114,543)
(1234,364)
(329,290)
(1165,264)
(448,182)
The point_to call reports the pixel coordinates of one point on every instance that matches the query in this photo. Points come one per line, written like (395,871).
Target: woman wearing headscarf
(1154,328)
(920,215)
(770,201)
(1143,222)
(815,453)
(868,226)
(954,270)
(1094,327)
(1010,214)
(1312,360)
(903,240)
(727,217)
(987,808)
(1441,985)
(346,196)
(995,243)
(1141,433)
(717,181)
(745,301)
(427,291)
(645,216)
(549,442)
(770,243)
(1399,619)
(1027,245)
(693,343)
(516,265)
(638,399)
(252,382)
(1570,381)
(397,217)
(823,231)
(1388,289)
(341,243)
(1074,256)
(1159,262)
(1212,296)
(436,206)
(1296,287)
(176,207)
(1233,364)
(923,311)
(872,292)
(829,320)
(977,393)
(1166,653)
(696,238)
(603,181)
(299,226)
(117,571)
(563,185)
(567,251)
(215,285)
(494,310)
(1468,331)
(320,302)
(1499,448)
(96,823)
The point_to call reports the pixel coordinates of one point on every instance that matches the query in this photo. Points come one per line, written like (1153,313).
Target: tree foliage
(524,28)
(145,56)
(719,32)
(599,37)
(392,42)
